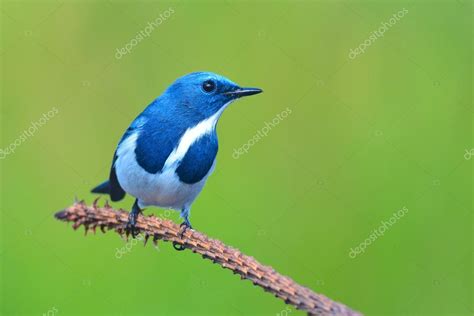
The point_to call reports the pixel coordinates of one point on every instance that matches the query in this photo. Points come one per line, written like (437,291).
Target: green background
(365,137)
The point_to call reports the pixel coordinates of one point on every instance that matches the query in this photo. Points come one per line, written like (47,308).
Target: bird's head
(205,93)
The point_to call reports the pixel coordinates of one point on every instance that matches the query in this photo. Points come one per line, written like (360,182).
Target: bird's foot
(131,228)
(183,227)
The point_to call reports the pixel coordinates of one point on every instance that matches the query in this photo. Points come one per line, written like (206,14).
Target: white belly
(160,189)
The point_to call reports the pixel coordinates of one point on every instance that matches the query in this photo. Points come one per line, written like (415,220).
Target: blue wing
(198,160)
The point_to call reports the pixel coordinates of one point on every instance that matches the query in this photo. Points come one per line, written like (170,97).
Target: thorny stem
(230,258)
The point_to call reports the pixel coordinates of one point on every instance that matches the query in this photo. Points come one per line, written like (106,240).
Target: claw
(135,232)
(186,225)
(131,229)
(132,220)
(177,246)
(183,230)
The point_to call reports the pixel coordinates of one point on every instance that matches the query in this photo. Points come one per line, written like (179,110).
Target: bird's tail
(103,188)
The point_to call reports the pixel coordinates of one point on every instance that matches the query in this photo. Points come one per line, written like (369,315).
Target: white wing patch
(189,137)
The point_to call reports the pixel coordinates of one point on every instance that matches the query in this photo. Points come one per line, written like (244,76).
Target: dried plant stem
(247,267)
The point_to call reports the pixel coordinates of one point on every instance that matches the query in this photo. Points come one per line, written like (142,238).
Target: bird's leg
(132,219)
(184,225)
(185,212)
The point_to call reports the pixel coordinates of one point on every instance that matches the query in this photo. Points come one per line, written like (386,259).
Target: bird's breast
(183,173)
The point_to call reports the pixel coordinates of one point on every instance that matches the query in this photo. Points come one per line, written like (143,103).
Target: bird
(168,152)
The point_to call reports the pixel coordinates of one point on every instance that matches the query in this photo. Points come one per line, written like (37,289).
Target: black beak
(243,92)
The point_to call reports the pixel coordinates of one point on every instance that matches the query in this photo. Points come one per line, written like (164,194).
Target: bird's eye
(209,86)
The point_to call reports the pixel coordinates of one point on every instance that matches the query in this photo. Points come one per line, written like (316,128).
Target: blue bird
(168,152)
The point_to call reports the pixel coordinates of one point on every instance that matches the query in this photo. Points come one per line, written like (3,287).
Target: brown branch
(247,267)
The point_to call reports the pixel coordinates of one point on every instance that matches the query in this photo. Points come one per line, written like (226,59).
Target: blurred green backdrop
(366,137)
